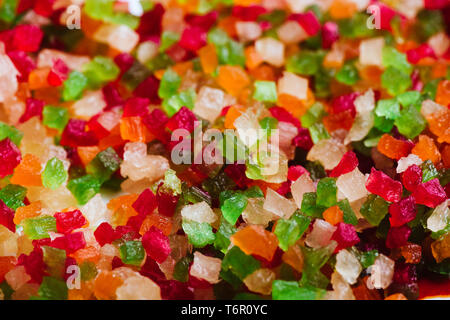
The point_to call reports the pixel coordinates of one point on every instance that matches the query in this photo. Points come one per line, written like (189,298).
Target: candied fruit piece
(380,184)
(430,193)
(402,212)
(255,240)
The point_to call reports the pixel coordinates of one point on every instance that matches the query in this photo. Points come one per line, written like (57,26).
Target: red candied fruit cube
(124,61)
(347,164)
(303,139)
(308,21)
(175,290)
(135,222)
(58,73)
(435,4)
(24,5)
(148,89)
(345,102)
(75,242)
(405,273)
(345,236)
(146,202)
(156,123)
(111,96)
(44,7)
(205,21)
(75,135)
(236,172)
(66,222)
(136,107)
(282,115)
(430,193)
(156,244)
(295,172)
(151,270)
(34,264)
(381,184)
(248,13)
(23,63)
(398,236)
(330,34)
(193,38)
(183,119)
(167,202)
(116,263)
(412,177)
(10,157)
(151,22)
(105,234)
(417,54)
(285,188)
(27,37)
(402,212)
(7,216)
(33,107)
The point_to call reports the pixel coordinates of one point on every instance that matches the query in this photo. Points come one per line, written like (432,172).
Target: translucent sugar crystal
(8,78)
(364,119)
(371,52)
(381,273)
(254,213)
(199,212)
(209,103)
(146,51)
(17,277)
(405,162)
(341,289)
(440,217)
(328,152)
(96,211)
(8,242)
(248,30)
(206,268)
(138,165)
(293,85)
(348,266)
(302,185)
(119,37)
(260,281)
(352,185)
(321,234)
(271,51)
(429,107)
(35,138)
(291,32)
(89,105)
(58,199)
(439,43)
(47,58)
(274,167)
(279,205)
(138,288)
(247,127)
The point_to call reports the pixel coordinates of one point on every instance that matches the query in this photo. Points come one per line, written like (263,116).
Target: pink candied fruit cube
(105,234)
(33,108)
(23,63)
(330,34)
(183,119)
(308,21)
(75,135)
(205,21)
(412,177)
(7,216)
(58,73)
(344,102)
(282,115)
(193,38)
(402,212)
(27,37)
(294,172)
(75,241)
(303,139)
(10,157)
(34,264)
(398,236)
(66,222)
(347,164)
(146,202)
(381,184)
(136,107)
(248,13)
(430,193)
(345,236)
(156,244)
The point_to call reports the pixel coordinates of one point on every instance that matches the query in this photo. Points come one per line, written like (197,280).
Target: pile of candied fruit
(352,201)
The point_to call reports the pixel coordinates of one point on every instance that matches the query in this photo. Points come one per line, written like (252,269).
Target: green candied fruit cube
(7,131)
(254,192)
(429,171)
(395,81)
(53,289)
(172,182)
(288,231)
(305,62)
(231,53)
(54,260)
(326,192)
(55,117)
(168,38)
(374,209)
(388,108)
(368,258)
(13,195)
(38,228)
(265,91)
(169,84)
(239,263)
(54,174)
(104,164)
(348,74)
(309,206)
(383,124)
(84,188)
(100,70)
(218,36)
(181,269)
(183,99)
(233,206)
(268,124)
(74,86)
(291,290)
(349,215)
(391,57)
(318,132)
(223,234)
(8,10)
(409,97)
(313,115)
(132,252)
(199,234)
(410,123)
(88,270)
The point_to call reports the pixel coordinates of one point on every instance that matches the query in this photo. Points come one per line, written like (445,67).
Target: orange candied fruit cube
(342,9)
(256,240)
(29,211)
(182,67)
(89,253)
(292,104)
(6,264)
(132,129)
(252,57)
(228,24)
(122,208)
(37,78)
(438,124)
(263,73)
(333,215)
(445,153)
(412,253)
(393,148)
(443,93)
(87,154)
(233,79)
(233,113)
(341,120)
(157,220)
(105,285)
(28,172)
(396,296)
(208,58)
(426,149)
(294,257)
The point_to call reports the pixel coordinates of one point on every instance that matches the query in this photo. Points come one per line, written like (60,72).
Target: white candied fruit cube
(405,162)
(209,103)
(302,185)
(279,205)
(207,268)
(321,234)
(352,185)
(248,30)
(199,212)
(381,273)
(440,217)
(291,32)
(348,266)
(371,52)
(293,85)
(271,51)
